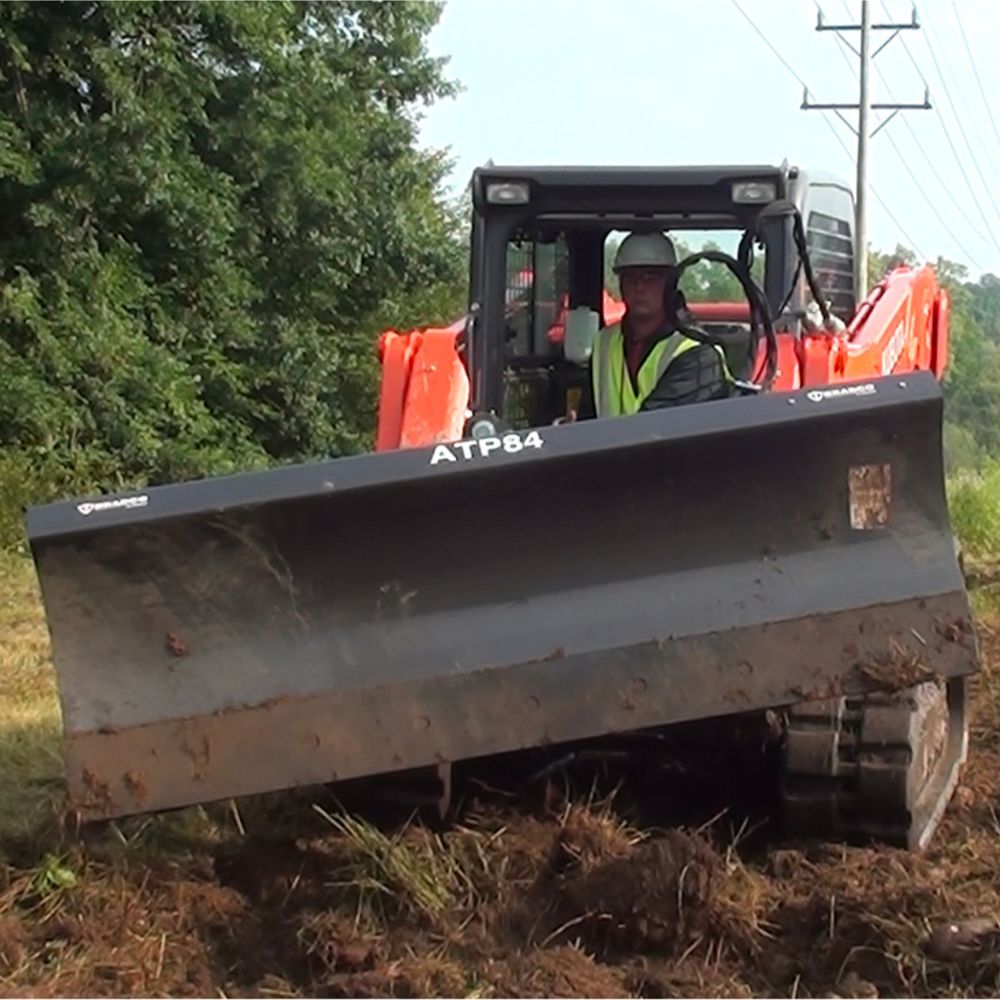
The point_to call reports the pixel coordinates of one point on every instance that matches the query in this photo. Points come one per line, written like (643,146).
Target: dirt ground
(290,895)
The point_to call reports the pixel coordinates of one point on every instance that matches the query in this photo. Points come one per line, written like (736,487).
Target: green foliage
(26,475)
(52,876)
(209,209)
(974,501)
(972,379)
(209,212)
(961,450)
(709,281)
(880,264)
(972,382)
(611,245)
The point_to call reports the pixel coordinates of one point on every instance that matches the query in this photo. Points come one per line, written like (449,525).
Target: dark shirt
(696,376)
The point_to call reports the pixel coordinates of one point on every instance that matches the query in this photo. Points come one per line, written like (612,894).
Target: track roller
(881,767)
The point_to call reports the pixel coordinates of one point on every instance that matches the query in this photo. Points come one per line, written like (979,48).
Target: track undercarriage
(878,767)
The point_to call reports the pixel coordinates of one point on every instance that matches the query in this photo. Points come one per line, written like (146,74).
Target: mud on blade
(388,611)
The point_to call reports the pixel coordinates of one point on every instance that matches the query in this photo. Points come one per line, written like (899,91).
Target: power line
(951,145)
(958,121)
(906,49)
(840,38)
(784,62)
(930,202)
(864,106)
(972,63)
(902,159)
(947,190)
(843,145)
(767,42)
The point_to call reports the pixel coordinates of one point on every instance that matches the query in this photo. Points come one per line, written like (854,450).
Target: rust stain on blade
(176,645)
(136,785)
(199,752)
(96,794)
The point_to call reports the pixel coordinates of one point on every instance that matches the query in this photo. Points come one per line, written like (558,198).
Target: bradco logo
(127,503)
(818,395)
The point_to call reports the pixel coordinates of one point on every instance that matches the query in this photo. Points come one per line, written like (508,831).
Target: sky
(690,82)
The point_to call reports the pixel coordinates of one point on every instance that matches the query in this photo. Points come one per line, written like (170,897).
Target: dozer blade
(396,610)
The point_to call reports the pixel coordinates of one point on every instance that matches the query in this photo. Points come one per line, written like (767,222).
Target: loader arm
(902,326)
(424,395)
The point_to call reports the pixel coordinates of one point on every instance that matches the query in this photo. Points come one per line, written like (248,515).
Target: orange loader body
(902,326)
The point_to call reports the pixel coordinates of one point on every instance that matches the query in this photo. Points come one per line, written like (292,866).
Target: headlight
(754,192)
(508,193)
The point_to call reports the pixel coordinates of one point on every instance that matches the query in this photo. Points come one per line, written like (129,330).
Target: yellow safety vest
(613,393)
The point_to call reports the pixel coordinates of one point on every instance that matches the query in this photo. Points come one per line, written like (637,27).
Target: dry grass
(30,729)
(418,874)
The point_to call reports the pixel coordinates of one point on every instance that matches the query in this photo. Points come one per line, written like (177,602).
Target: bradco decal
(818,395)
(122,503)
(484,447)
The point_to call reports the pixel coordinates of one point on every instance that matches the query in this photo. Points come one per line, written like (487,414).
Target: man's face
(643,290)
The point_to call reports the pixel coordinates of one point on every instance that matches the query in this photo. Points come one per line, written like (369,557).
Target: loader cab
(541,283)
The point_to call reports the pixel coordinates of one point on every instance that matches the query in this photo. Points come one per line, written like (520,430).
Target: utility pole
(864,107)
(861,179)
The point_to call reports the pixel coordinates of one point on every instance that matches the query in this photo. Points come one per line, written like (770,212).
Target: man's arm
(696,376)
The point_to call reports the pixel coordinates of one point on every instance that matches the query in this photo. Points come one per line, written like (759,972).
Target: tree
(881,263)
(706,281)
(710,281)
(208,208)
(972,379)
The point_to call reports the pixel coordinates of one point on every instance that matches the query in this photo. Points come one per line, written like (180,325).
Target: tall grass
(30,760)
(26,479)
(974,500)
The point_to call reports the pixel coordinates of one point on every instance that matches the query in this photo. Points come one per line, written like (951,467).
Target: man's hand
(569,418)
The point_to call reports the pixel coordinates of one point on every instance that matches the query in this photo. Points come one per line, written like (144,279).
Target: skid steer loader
(489,581)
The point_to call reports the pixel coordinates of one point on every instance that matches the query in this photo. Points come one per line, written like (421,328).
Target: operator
(645,362)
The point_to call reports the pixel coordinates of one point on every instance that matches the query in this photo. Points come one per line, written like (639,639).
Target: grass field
(30,728)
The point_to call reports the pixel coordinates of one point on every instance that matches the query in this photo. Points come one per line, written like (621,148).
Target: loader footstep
(880,767)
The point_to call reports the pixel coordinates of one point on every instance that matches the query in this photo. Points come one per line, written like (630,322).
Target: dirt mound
(337,944)
(423,976)
(656,898)
(576,904)
(361,912)
(691,977)
(589,838)
(563,971)
(510,904)
(12,944)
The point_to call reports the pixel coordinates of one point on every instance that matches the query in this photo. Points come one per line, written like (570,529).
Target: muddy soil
(566,890)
